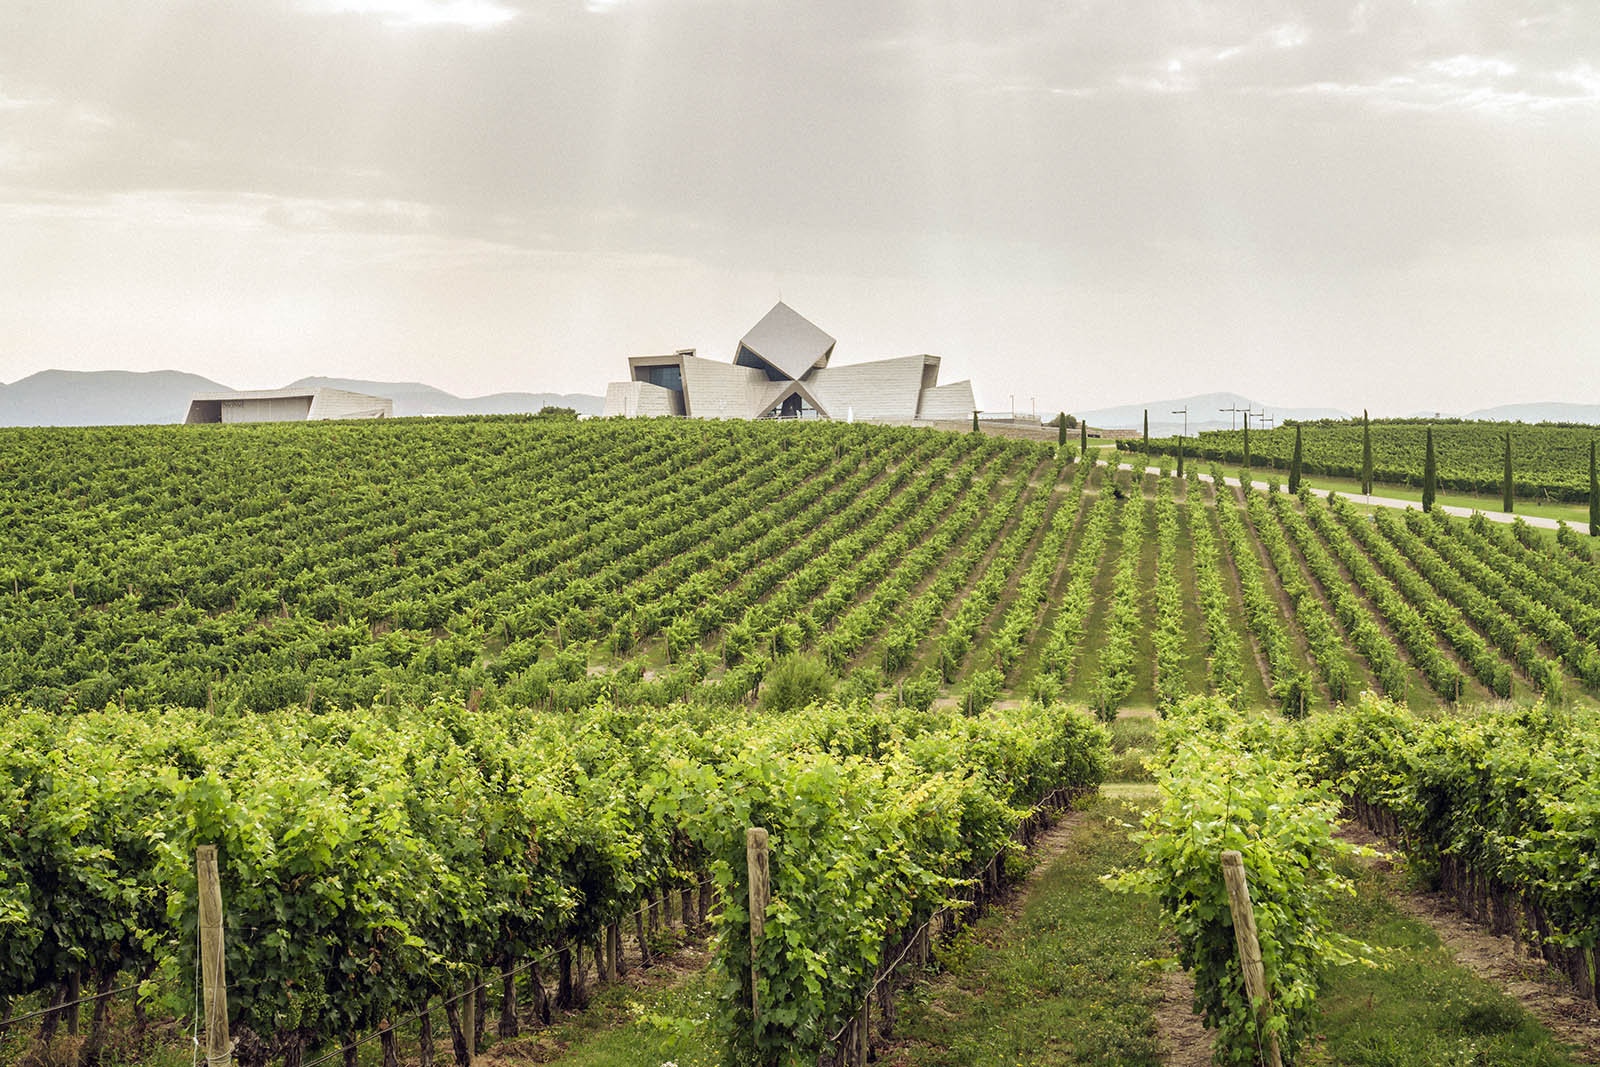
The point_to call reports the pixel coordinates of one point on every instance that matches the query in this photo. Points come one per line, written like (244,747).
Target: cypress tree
(1594,496)
(1147,434)
(1294,464)
(974,422)
(1247,440)
(1505,482)
(1180,458)
(1061,430)
(1366,454)
(1430,475)
(1083,438)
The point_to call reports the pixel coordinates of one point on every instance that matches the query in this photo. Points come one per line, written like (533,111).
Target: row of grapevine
(1443,617)
(1408,624)
(1170,643)
(1016,628)
(1075,602)
(1326,643)
(1533,572)
(1225,668)
(335,565)
(1291,686)
(953,524)
(1453,573)
(1117,655)
(1500,807)
(379,857)
(1358,621)
(961,628)
(1221,789)
(1551,461)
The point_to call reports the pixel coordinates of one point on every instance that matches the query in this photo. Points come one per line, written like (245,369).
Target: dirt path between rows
(1185,1042)
(1505,961)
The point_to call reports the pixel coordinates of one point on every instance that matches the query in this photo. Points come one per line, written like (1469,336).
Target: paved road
(1389,502)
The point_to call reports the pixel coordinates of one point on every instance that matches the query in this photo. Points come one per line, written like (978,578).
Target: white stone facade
(287,405)
(781,369)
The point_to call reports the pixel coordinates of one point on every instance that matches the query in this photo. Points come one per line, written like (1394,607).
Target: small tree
(1366,454)
(1505,482)
(1430,474)
(1147,433)
(1083,439)
(1061,430)
(1594,496)
(1180,455)
(1294,464)
(974,422)
(1247,441)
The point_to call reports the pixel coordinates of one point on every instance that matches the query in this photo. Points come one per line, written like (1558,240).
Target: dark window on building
(668,377)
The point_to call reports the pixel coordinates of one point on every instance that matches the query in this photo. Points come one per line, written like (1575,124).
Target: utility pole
(1184,411)
(1233,416)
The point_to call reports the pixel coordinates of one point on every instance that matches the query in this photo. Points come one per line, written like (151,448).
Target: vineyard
(1550,461)
(461,698)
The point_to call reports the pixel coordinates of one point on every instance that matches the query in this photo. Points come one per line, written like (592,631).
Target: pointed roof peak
(787,341)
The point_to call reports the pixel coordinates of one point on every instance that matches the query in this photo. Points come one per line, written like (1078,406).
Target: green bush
(794,682)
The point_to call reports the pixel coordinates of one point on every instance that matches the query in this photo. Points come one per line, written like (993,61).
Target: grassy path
(1061,976)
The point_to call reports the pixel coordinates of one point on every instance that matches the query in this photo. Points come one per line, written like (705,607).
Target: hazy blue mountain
(100,398)
(1549,412)
(415,398)
(1205,413)
(117,397)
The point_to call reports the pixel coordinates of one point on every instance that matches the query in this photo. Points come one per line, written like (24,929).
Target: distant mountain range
(115,397)
(1589,413)
(1206,412)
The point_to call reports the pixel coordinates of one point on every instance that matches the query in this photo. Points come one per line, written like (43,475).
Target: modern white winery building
(287,405)
(781,370)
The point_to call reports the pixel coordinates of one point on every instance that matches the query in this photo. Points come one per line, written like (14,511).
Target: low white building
(781,370)
(287,405)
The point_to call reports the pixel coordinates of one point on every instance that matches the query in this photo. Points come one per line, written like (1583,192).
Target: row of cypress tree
(1430,465)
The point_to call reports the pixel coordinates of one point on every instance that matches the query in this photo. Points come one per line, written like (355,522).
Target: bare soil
(1185,1042)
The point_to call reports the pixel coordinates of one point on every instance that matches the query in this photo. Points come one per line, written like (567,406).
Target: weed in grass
(1419,1006)
(1063,980)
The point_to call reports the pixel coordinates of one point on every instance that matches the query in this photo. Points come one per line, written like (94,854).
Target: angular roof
(791,343)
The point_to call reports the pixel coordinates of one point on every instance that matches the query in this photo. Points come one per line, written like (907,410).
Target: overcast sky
(1385,204)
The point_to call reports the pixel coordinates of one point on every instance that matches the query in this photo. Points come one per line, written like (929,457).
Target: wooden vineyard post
(1244,932)
(755,854)
(219,1049)
(469,1022)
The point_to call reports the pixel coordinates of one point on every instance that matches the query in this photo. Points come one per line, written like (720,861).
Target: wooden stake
(1244,933)
(219,1049)
(469,1026)
(755,855)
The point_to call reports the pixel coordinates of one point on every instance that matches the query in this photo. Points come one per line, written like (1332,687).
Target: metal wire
(888,972)
(472,991)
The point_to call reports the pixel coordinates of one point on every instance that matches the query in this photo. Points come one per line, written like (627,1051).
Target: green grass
(1068,980)
(1419,1007)
(1132,739)
(1574,514)
(627,1027)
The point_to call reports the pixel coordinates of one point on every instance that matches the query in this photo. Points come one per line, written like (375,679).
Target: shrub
(794,682)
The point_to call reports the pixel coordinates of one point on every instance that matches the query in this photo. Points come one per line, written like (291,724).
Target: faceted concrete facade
(781,370)
(287,405)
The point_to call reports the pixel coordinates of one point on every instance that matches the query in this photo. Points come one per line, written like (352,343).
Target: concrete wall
(273,409)
(713,390)
(641,399)
(951,401)
(882,389)
(342,404)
